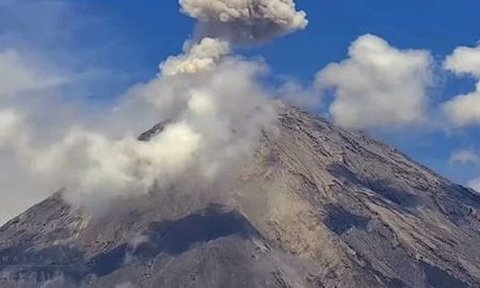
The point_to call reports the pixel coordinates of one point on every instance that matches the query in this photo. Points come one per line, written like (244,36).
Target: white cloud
(464,157)
(464,110)
(197,58)
(464,60)
(379,86)
(25,84)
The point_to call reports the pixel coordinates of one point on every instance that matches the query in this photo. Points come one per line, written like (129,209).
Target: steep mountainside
(318,206)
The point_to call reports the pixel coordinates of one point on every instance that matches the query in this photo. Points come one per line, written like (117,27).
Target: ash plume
(218,109)
(212,103)
(198,57)
(245,21)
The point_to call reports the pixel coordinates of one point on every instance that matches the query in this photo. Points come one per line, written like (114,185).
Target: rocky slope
(318,206)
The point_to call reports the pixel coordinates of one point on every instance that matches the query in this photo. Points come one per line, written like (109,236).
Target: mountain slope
(318,206)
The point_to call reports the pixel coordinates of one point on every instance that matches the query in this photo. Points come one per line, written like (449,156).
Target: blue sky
(157,30)
(126,40)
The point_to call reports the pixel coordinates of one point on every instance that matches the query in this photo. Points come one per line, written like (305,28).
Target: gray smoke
(213,103)
(215,107)
(245,21)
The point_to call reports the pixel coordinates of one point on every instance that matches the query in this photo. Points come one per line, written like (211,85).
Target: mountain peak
(317,206)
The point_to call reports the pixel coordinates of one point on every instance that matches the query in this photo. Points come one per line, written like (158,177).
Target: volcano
(317,206)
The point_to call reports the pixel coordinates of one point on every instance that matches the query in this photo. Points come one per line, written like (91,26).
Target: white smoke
(16,78)
(215,110)
(25,84)
(245,21)
(212,103)
(9,120)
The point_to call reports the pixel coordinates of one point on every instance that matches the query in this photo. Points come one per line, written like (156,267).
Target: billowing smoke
(211,103)
(197,58)
(245,21)
(213,108)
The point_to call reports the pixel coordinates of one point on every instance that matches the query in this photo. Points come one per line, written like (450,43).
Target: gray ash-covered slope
(318,206)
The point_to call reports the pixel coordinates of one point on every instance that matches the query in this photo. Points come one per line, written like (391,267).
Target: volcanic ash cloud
(212,101)
(245,21)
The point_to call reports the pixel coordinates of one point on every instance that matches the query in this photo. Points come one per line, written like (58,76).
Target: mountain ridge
(322,207)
